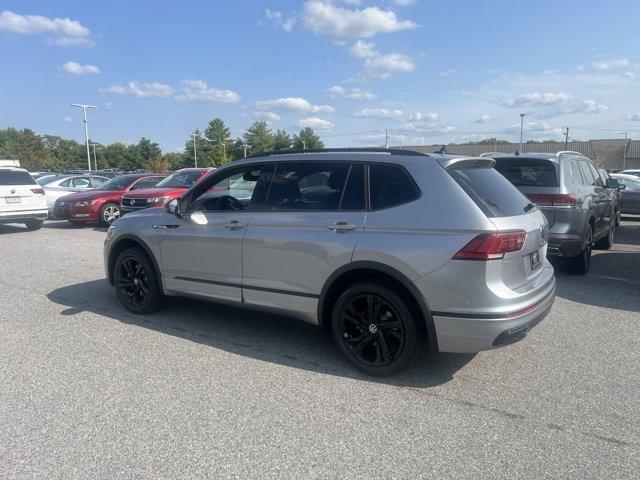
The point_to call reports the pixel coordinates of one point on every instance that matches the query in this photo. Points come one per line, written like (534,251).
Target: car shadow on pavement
(262,336)
(7,229)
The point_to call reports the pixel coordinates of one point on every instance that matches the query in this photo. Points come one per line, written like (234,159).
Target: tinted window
(146,182)
(528,172)
(492,192)
(353,196)
(238,190)
(597,180)
(589,179)
(180,180)
(576,176)
(306,186)
(390,185)
(118,183)
(66,183)
(81,182)
(15,177)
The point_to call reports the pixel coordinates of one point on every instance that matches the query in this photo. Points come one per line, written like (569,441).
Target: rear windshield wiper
(530,206)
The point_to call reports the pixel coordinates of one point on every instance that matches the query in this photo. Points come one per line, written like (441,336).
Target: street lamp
(624,155)
(521,127)
(95,161)
(195,153)
(86,127)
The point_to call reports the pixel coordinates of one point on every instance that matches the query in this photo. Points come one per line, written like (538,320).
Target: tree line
(214,146)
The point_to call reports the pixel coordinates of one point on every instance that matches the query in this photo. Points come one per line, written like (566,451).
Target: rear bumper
(465,333)
(19,217)
(564,245)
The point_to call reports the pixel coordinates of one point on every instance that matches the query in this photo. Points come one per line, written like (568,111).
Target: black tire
(136,282)
(606,242)
(581,263)
(375,329)
(109,213)
(34,224)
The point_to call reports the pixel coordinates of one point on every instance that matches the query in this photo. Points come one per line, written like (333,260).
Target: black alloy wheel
(136,282)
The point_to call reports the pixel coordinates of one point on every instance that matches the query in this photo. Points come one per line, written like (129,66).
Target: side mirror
(173,207)
(612,183)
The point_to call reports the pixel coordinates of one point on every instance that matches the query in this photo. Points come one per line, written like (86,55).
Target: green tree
(174,160)
(24,145)
(281,140)
(238,149)
(307,139)
(217,141)
(259,138)
(201,150)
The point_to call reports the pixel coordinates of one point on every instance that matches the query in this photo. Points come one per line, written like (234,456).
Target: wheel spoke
(357,349)
(384,348)
(127,266)
(354,315)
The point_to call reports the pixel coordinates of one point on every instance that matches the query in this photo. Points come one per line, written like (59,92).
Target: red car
(102,204)
(171,187)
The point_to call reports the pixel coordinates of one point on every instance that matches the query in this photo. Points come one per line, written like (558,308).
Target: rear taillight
(492,246)
(551,199)
(38,191)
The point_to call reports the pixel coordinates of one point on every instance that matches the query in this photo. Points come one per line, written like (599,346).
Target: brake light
(551,199)
(492,246)
(38,191)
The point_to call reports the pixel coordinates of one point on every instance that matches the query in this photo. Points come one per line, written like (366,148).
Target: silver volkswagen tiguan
(387,249)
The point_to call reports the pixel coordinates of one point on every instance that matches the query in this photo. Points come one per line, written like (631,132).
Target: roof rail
(490,154)
(387,151)
(568,152)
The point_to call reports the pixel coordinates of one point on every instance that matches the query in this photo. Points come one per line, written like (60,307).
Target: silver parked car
(578,205)
(62,185)
(385,248)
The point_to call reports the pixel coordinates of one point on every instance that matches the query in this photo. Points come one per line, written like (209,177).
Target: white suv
(22,200)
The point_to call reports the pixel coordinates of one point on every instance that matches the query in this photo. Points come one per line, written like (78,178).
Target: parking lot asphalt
(200,390)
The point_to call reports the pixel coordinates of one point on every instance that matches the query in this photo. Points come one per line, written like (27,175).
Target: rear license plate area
(10,200)
(534,258)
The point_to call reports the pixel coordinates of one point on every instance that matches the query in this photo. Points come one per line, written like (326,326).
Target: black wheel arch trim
(396,275)
(145,247)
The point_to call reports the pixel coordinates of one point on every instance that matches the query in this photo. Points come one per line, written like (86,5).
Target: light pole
(95,161)
(86,127)
(624,155)
(304,145)
(521,127)
(195,152)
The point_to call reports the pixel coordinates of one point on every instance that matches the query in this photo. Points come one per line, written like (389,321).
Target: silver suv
(384,248)
(580,207)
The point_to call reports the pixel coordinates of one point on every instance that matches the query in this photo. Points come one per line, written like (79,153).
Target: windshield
(118,183)
(180,180)
(47,179)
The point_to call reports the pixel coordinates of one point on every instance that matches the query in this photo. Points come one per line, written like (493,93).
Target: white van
(22,200)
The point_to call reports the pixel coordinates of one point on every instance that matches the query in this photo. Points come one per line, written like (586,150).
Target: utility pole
(195,152)
(521,128)
(566,138)
(386,138)
(304,145)
(624,155)
(95,161)
(86,128)
(245,151)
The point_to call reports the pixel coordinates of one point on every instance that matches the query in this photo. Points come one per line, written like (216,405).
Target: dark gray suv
(567,187)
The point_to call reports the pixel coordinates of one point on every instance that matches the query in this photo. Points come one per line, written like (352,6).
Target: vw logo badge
(133,202)
(13,191)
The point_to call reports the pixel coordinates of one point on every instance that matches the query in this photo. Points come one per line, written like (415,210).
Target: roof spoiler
(456,163)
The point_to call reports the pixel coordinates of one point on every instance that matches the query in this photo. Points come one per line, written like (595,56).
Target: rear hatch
(19,191)
(517,221)
(536,178)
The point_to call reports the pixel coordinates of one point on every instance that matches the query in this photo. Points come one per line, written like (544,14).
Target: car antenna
(442,151)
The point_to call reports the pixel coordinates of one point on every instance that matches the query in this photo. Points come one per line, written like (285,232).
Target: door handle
(235,225)
(162,227)
(340,227)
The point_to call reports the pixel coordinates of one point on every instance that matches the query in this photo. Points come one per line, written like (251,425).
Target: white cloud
(629,75)
(589,106)
(403,3)
(198,91)
(380,65)
(68,119)
(61,31)
(534,127)
(482,119)
(448,72)
(324,18)
(635,117)
(292,104)
(262,115)
(536,99)
(141,90)
(424,117)
(611,64)
(380,113)
(74,68)
(350,93)
(275,18)
(315,123)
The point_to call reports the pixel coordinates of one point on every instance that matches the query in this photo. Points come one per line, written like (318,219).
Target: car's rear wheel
(581,263)
(606,242)
(136,282)
(375,329)
(109,213)
(34,224)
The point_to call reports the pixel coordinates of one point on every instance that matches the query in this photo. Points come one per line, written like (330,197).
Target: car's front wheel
(606,242)
(582,262)
(136,282)
(376,329)
(109,213)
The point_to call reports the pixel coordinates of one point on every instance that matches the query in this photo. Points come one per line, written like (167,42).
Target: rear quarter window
(491,191)
(528,172)
(16,177)
(390,185)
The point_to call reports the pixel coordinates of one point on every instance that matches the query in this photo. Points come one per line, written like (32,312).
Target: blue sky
(427,71)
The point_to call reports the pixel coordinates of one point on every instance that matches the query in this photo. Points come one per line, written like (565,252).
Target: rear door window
(15,177)
(594,171)
(491,191)
(528,172)
(587,173)
(576,176)
(390,185)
